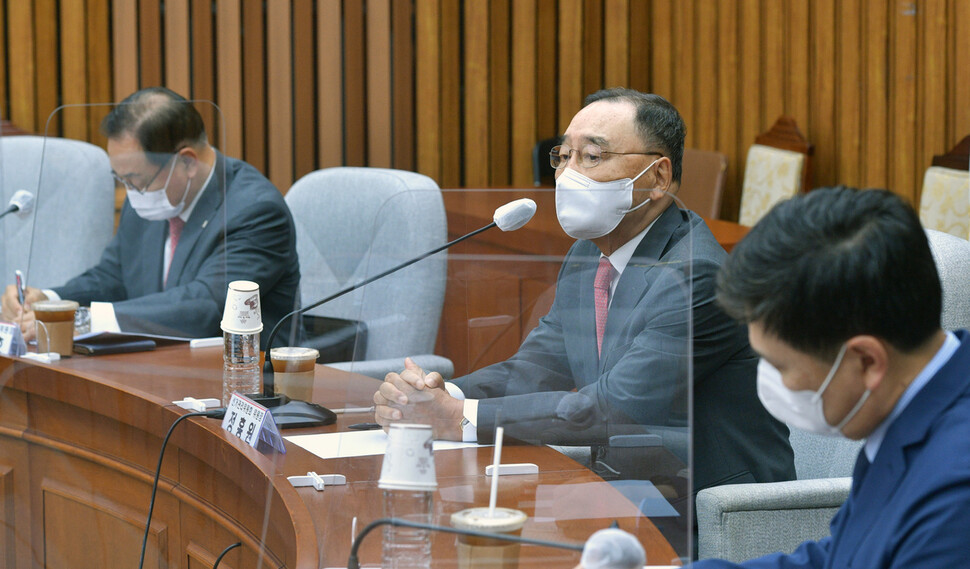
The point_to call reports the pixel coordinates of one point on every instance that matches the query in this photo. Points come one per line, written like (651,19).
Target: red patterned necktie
(175,226)
(601,298)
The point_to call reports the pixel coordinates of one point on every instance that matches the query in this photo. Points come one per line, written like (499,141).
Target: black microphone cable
(215,414)
(223,554)
(354,563)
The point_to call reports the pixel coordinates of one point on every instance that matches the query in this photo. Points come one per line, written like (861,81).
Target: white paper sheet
(356,443)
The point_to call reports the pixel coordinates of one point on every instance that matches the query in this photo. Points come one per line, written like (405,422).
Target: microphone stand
(354,563)
(289,413)
(268,387)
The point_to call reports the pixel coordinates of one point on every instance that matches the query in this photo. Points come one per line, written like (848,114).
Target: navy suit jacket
(556,389)
(911,507)
(240,229)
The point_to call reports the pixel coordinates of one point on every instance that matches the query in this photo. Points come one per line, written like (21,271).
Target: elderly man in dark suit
(614,349)
(194,220)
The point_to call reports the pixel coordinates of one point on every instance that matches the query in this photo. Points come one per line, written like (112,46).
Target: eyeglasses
(590,156)
(131,187)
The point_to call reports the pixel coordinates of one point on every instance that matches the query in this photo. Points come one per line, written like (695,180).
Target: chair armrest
(379,368)
(742,521)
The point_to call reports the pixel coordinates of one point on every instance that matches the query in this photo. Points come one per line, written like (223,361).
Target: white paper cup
(242,314)
(409,460)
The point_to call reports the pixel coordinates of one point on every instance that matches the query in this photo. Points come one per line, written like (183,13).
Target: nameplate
(11,341)
(252,423)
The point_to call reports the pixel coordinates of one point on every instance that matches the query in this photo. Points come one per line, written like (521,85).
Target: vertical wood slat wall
(462,89)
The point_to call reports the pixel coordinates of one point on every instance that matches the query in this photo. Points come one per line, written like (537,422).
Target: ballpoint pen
(20,286)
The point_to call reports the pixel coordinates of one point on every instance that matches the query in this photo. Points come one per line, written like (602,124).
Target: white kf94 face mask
(588,209)
(801,409)
(154,205)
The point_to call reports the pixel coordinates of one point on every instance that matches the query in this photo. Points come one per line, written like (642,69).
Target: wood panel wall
(462,89)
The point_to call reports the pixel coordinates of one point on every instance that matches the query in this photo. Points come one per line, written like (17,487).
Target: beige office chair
(702,181)
(944,203)
(777,168)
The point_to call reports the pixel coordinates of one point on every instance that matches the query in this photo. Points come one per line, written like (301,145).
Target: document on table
(357,443)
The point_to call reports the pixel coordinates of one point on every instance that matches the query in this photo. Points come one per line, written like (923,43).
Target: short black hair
(838,262)
(160,119)
(658,122)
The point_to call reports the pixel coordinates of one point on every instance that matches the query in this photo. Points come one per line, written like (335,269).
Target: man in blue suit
(194,220)
(634,300)
(842,300)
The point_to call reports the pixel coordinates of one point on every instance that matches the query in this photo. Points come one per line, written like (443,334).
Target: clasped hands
(12,311)
(412,396)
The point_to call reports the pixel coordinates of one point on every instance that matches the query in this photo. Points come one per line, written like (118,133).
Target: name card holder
(11,340)
(252,423)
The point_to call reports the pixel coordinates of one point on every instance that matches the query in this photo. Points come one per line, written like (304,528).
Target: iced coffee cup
(488,553)
(293,371)
(55,325)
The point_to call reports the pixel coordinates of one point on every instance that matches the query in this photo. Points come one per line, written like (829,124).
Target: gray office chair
(743,521)
(73,217)
(353,223)
(952,255)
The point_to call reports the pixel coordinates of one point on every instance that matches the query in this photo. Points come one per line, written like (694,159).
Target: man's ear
(663,172)
(872,357)
(190,159)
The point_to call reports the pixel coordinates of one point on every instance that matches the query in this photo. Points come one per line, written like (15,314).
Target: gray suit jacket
(556,389)
(240,229)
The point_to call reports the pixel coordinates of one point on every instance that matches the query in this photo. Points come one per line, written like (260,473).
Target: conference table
(80,439)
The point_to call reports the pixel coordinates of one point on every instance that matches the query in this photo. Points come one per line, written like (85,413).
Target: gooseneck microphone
(22,202)
(508,217)
(354,563)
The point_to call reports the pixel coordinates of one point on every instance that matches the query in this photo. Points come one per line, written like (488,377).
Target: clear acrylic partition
(80,437)
(610,446)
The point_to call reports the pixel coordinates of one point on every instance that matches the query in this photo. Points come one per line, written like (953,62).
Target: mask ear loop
(46,335)
(646,201)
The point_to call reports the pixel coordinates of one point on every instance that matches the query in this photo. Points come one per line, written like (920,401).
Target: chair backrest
(778,167)
(944,204)
(819,456)
(73,217)
(542,171)
(354,223)
(952,256)
(702,181)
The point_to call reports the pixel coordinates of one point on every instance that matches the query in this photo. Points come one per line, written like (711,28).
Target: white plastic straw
(496,461)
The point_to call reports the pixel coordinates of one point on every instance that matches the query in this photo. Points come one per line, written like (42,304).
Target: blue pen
(20,286)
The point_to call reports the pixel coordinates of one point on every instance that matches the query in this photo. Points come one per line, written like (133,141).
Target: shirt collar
(949,347)
(621,257)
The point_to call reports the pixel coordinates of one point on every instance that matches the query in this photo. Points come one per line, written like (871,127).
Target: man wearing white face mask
(843,300)
(194,220)
(613,350)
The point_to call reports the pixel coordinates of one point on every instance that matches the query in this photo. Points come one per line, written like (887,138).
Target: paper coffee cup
(242,314)
(408,461)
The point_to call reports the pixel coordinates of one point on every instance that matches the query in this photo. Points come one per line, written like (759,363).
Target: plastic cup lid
(294,353)
(54,305)
(504,520)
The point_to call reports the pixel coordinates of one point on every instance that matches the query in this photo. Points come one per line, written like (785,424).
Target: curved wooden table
(79,442)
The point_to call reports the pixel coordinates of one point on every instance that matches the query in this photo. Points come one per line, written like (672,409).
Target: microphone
(354,563)
(22,202)
(508,217)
